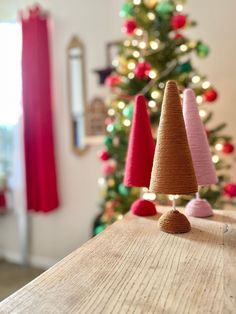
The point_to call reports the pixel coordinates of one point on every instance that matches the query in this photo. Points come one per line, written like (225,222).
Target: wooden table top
(133,267)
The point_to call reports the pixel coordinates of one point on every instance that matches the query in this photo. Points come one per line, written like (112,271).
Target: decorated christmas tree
(155,50)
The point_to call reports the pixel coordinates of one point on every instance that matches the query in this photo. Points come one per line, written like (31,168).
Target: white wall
(96,22)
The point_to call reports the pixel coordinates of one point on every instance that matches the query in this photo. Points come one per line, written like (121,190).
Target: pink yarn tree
(140,156)
(201,156)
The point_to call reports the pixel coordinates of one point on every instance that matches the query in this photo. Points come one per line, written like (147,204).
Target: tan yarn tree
(172,171)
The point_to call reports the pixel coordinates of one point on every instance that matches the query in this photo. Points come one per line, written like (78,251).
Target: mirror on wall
(77,94)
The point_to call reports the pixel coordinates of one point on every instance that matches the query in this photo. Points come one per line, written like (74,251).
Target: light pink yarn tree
(201,156)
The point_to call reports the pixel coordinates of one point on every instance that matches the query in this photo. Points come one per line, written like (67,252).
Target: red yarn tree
(140,156)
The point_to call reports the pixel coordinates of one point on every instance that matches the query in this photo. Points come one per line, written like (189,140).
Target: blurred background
(82,39)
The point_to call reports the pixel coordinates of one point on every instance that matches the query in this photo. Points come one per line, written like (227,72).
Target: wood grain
(133,267)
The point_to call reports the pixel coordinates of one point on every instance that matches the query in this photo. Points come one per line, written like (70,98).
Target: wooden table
(132,267)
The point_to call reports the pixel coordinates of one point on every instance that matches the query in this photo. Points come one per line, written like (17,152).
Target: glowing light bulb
(136,2)
(161,85)
(136,54)
(134,42)
(179,8)
(196,79)
(127,122)
(218,146)
(142,45)
(183,48)
(151,16)
(206,85)
(139,32)
(149,196)
(152,74)
(155,94)
(151,104)
(154,45)
(131,65)
(131,75)
(119,217)
(101,182)
(199,99)
(127,43)
(121,105)
(215,158)
(115,62)
(202,113)
(111,112)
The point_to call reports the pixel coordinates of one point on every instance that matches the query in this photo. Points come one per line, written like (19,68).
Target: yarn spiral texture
(198,208)
(174,222)
(198,143)
(141,147)
(172,171)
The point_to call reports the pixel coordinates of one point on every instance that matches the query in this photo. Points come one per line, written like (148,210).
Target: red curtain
(40,168)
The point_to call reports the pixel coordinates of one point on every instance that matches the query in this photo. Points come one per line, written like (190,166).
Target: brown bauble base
(174,222)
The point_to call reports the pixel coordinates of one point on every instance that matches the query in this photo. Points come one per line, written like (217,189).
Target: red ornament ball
(130,26)
(178,21)
(143,207)
(227,148)
(179,36)
(104,155)
(113,80)
(210,95)
(142,70)
(109,167)
(230,190)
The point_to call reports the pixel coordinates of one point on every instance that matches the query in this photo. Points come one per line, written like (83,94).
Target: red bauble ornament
(230,190)
(210,95)
(178,21)
(179,36)
(129,26)
(227,148)
(113,80)
(104,155)
(143,207)
(142,70)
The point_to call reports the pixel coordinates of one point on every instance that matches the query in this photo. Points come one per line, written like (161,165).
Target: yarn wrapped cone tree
(172,171)
(201,156)
(140,157)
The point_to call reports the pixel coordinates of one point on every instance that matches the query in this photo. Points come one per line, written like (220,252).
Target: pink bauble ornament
(143,207)
(230,190)
(142,70)
(178,21)
(109,167)
(129,26)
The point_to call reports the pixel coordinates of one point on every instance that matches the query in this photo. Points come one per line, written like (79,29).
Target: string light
(134,42)
(139,32)
(179,8)
(152,74)
(115,62)
(155,94)
(196,79)
(215,158)
(110,128)
(111,112)
(131,75)
(136,54)
(121,105)
(136,2)
(202,113)
(151,104)
(154,45)
(199,99)
(206,85)
(219,146)
(127,43)
(119,217)
(151,16)
(101,182)
(131,65)
(183,48)
(149,196)
(142,45)
(172,197)
(127,122)
(161,85)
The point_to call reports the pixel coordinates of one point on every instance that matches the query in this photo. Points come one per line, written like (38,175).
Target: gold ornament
(150,3)
(122,67)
